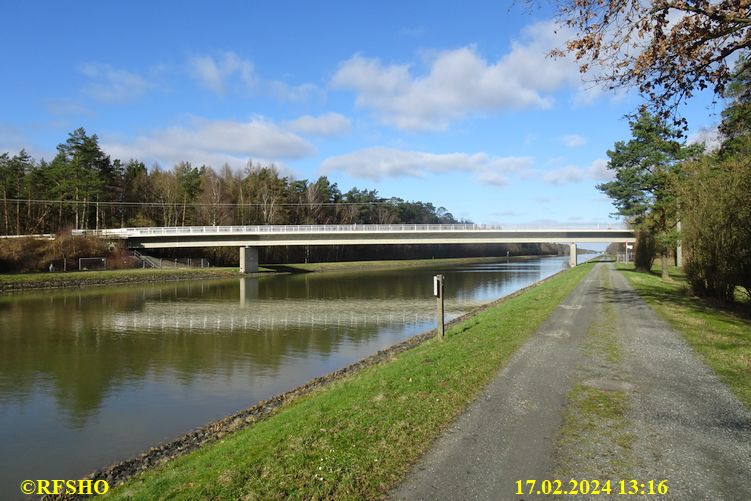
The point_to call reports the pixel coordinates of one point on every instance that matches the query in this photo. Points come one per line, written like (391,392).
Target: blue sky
(452,103)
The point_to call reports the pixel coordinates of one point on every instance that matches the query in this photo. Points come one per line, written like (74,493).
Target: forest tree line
(83,188)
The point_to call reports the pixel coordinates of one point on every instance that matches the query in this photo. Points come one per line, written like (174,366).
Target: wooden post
(438,293)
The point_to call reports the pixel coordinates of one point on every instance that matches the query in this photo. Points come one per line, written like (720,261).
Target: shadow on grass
(603,259)
(675,292)
(282,268)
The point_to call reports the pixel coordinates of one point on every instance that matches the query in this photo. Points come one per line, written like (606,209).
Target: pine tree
(646,170)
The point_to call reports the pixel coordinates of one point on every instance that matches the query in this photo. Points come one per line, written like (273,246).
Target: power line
(195,204)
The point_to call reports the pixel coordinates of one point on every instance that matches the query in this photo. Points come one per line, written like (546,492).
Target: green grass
(81,277)
(595,437)
(722,338)
(595,409)
(357,437)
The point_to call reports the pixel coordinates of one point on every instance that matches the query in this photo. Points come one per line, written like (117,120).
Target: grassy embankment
(355,438)
(22,281)
(19,281)
(723,338)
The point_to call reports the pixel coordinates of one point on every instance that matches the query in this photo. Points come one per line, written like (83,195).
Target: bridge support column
(572,255)
(248,260)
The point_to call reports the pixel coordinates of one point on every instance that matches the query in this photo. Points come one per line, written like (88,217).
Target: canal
(92,376)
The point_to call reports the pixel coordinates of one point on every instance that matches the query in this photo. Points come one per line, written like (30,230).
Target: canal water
(92,376)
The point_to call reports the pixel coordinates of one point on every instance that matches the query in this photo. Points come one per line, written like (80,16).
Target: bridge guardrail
(339,228)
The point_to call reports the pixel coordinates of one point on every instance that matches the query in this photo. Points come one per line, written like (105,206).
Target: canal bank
(353,433)
(76,279)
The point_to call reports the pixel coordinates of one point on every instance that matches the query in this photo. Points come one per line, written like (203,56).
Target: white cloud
(328,124)
(213,142)
(228,70)
(215,72)
(710,137)
(563,175)
(294,93)
(573,140)
(597,171)
(113,85)
(380,162)
(492,177)
(461,82)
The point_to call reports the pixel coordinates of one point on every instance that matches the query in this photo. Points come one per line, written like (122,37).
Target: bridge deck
(277,235)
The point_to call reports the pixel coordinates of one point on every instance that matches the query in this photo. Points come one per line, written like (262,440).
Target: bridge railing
(341,228)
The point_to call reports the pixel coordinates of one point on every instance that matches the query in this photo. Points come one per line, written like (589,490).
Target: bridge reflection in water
(205,320)
(256,314)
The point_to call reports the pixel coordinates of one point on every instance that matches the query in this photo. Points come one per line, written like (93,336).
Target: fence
(158,262)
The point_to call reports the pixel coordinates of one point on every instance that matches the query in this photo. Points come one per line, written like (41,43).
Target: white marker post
(438,293)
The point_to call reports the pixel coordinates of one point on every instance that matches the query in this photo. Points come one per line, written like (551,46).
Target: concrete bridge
(249,238)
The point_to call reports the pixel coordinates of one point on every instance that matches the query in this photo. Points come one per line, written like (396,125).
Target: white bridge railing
(342,228)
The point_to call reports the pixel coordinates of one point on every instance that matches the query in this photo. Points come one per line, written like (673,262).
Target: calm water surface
(92,376)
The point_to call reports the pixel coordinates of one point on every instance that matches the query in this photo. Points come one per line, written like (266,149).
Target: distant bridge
(248,238)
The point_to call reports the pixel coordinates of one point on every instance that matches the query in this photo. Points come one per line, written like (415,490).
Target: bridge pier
(572,255)
(248,260)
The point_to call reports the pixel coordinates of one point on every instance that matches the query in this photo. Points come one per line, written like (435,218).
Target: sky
(454,103)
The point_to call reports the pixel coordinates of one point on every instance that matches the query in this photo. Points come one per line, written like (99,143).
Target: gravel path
(683,423)
(689,428)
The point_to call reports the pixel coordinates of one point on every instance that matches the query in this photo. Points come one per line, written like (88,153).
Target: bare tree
(668,49)
(384,215)
(314,198)
(212,199)
(233,193)
(168,196)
